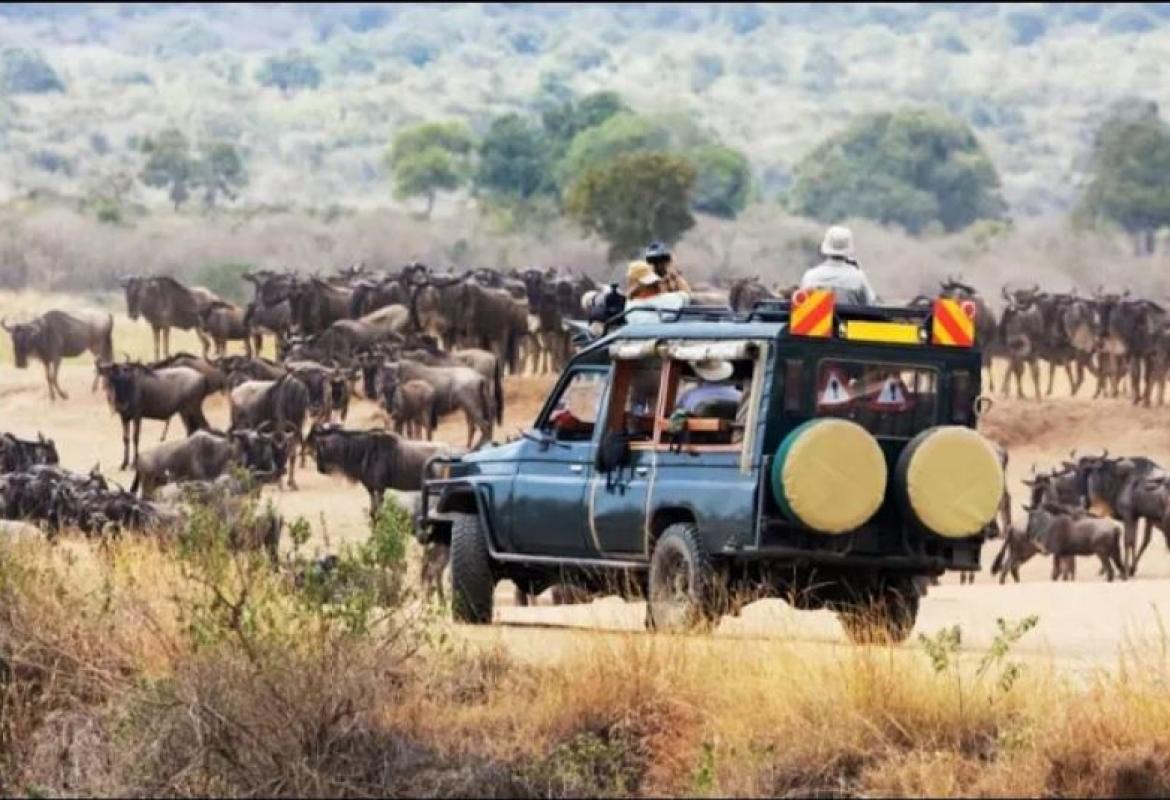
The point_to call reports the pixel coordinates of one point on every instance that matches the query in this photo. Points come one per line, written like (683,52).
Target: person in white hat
(840,272)
(715,374)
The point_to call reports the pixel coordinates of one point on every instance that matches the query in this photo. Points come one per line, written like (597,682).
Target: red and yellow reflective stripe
(950,325)
(813,317)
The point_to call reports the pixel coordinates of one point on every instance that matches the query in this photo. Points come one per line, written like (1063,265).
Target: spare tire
(951,480)
(829,475)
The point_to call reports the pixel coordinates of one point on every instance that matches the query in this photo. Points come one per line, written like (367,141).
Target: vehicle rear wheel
(682,583)
(472,580)
(887,616)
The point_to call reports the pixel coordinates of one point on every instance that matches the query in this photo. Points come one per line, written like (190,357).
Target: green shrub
(226,279)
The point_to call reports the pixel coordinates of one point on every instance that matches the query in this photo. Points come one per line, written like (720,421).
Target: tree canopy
(429,158)
(513,159)
(27,72)
(1127,185)
(724,180)
(622,133)
(289,71)
(633,199)
(909,168)
(218,170)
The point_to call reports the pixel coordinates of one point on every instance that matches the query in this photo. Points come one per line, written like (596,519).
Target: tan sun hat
(838,241)
(640,273)
(713,370)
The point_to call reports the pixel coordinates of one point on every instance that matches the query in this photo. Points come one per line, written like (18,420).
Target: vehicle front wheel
(886,617)
(472,581)
(683,583)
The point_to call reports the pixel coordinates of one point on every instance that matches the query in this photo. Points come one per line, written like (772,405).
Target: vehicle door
(549,500)
(705,463)
(618,499)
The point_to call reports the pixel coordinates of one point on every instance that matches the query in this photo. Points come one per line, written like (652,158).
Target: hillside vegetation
(313,94)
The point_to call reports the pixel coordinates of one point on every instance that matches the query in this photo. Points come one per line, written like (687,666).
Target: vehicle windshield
(891,400)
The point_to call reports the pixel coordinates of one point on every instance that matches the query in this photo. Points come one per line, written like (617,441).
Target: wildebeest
(456,388)
(482,361)
(205,455)
(377,459)
(1017,548)
(17,455)
(271,309)
(283,402)
(165,303)
(328,388)
(1022,327)
(140,392)
(316,304)
(1126,488)
(56,335)
(1065,532)
(240,368)
(222,322)
(746,292)
(414,407)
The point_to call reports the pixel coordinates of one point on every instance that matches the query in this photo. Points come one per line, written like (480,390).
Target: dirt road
(1081,623)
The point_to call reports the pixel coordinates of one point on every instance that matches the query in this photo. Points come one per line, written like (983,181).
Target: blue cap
(657,250)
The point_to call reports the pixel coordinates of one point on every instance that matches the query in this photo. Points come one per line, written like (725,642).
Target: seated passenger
(713,397)
(644,289)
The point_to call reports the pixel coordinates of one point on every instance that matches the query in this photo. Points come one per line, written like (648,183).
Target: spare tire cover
(829,474)
(950,478)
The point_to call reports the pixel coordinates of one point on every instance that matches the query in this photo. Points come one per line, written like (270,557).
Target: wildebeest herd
(425,344)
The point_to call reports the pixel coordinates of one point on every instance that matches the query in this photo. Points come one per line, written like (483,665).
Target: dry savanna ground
(136,672)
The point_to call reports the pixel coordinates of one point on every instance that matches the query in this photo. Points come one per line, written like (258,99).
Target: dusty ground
(1088,622)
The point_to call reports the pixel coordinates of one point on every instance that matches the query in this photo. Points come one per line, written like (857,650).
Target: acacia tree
(1130,161)
(430,158)
(907,167)
(218,170)
(634,198)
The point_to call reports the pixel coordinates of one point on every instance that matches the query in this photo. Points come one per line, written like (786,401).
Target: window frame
(542,419)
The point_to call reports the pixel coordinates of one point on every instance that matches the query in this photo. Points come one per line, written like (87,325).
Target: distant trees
(217,171)
(429,158)
(909,167)
(27,72)
(724,180)
(513,159)
(634,198)
(1128,168)
(289,72)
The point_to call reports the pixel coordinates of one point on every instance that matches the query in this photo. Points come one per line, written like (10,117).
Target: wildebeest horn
(264,426)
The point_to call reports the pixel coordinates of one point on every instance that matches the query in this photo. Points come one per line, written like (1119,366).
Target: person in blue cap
(658,256)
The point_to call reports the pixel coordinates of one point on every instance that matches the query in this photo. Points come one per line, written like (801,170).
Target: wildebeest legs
(56,381)
(49,380)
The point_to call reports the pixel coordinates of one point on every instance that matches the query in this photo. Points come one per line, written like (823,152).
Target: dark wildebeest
(56,335)
(1022,328)
(1065,532)
(456,388)
(18,455)
(271,308)
(368,296)
(224,322)
(140,392)
(1080,325)
(284,403)
(1128,490)
(436,302)
(482,361)
(1122,341)
(492,319)
(240,368)
(205,455)
(328,389)
(165,303)
(377,459)
(412,405)
(317,304)
(746,292)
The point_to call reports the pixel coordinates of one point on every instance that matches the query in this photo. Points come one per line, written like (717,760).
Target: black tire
(887,616)
(472,581)
(683,583)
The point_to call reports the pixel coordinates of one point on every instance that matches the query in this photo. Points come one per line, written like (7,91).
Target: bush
(226,280)
(27,72)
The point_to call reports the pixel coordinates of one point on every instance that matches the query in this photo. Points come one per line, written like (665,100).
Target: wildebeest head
(264,451)
(26,338)
(133,286)
(386,380)
(124,381)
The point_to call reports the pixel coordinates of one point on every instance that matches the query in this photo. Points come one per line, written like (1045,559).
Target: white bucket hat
(713,370)
(838,241)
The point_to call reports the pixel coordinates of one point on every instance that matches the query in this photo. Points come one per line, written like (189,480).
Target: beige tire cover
(951,479)
(829,474)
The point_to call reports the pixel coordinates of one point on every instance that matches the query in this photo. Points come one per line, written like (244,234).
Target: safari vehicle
(846,476)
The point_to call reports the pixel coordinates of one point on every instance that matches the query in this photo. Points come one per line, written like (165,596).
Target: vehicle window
(710,407)
(575,412)
(889,400)
(635,398)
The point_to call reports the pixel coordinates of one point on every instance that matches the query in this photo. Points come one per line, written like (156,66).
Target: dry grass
(108,689)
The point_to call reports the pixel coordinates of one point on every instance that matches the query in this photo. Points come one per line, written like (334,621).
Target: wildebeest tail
(498,380)
(108,341)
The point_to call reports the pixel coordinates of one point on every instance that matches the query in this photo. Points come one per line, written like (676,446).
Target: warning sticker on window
(834,391)
(892,397)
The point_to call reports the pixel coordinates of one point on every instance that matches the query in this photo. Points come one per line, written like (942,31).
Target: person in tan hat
(645,288)
(840,272)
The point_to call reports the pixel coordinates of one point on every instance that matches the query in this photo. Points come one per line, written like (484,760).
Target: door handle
(576,467)
(641,472)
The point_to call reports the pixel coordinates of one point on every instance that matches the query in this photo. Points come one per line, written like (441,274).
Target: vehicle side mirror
(613,453)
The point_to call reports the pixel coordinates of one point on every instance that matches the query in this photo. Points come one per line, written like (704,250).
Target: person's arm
(681,282)
(871,297)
